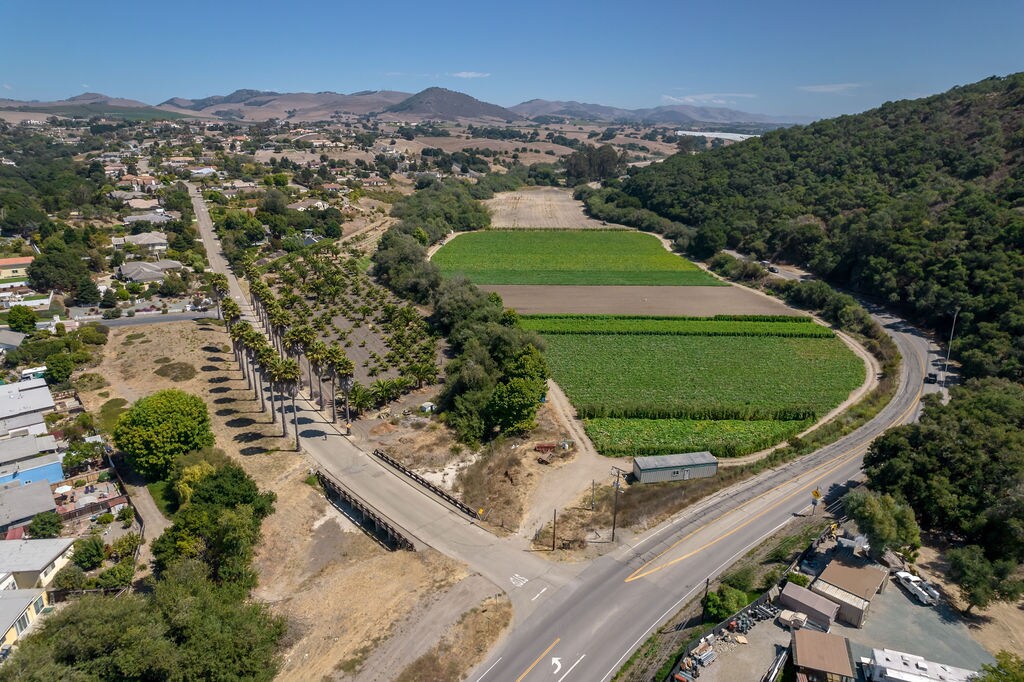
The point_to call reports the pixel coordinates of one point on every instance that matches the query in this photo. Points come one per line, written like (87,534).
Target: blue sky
(816,58)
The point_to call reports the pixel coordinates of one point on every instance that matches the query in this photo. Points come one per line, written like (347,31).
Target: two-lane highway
(592,625)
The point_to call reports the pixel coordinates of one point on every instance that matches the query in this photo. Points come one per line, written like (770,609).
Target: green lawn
(613,257)
(163,497)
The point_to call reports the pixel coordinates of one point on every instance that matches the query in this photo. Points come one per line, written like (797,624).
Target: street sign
(816,494)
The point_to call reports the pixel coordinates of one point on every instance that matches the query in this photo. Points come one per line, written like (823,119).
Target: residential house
(374,181)
(203,172)
(19,503)
(27,447)
(43,468)
(895,666)
(115,170)
(308,204)
(143,204)
(9,340)
(33,563)
(19,609)
(138,271)
(155,217)
(821,657)
(148,183)
(150,243)
(14,271)
(23,405)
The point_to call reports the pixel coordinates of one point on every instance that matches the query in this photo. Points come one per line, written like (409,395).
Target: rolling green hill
(919,203)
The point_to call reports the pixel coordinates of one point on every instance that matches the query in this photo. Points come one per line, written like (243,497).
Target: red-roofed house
(14,271)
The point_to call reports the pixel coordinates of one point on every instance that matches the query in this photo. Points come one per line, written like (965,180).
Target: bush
(71,577)
(126,515)
(742,579)
(725,602)
(105,519)
(798,579)
(48,524)
(89,553)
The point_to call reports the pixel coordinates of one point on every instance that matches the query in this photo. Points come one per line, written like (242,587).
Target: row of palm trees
(264,363)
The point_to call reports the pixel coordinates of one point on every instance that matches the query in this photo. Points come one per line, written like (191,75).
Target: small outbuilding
(851,585)
(681,467)
(819,610)
(821,657)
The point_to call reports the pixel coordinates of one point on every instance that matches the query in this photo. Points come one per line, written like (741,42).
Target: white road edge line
(571,667)
(538,594)
(727,562)
(489,669)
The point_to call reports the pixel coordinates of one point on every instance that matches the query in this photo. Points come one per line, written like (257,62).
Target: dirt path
(424,627)
(563,485)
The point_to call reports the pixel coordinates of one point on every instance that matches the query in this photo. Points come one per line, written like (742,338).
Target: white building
(22,407)
(887,665)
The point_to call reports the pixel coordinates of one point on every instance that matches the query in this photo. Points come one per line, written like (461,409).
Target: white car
(915,586)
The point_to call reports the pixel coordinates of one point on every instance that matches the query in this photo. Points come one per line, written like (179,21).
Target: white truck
(915,586)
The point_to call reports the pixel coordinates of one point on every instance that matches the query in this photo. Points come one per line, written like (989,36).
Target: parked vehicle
(931,378)
(914,585)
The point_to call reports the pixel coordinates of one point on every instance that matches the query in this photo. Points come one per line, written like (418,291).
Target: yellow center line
(641,573)
(534,664)
(837,461)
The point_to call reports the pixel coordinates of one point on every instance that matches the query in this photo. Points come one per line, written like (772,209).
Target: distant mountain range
(433,104)
(672,114)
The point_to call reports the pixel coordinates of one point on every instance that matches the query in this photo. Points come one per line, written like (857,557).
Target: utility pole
(704,601)
(615,503)
(554,528)
(593,494)
(945,367)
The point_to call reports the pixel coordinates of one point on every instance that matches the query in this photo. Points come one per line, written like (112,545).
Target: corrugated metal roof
(687,459)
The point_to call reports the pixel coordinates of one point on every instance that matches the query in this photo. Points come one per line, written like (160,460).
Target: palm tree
(286,375)
(232,313)
(218,289)
(422,372)
(265,357)
(278,321)
(360,398)
(316,356)
(297,340)
(385,390)
(338,365)
(241,334)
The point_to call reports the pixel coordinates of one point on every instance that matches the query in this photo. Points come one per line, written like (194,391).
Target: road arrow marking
(557,662)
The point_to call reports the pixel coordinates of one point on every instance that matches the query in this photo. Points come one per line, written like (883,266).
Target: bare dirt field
(639,300)
(312,559)
(1000,627)
(539,207)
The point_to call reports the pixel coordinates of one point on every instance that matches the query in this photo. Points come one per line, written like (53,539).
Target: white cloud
(470,74)
(831,88)
(85,85)
(7,86)
(715,98)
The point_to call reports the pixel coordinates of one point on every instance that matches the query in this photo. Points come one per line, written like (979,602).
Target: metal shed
(680,467)
(820,611)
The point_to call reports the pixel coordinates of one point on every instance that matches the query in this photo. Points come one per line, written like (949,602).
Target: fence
(437,490)
(92,507)
(370,519)
(767,597)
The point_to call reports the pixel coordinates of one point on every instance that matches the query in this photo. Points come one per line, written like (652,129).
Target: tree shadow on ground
(215,358)
(313,433)
(210,368)
(226,400)
(239,422)
(221,389)
(226,412)
(212,349)
(252,436)
(253,450)
(218,380)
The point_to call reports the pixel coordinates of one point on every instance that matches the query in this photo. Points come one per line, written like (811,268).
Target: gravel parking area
(747,661)
(896,621)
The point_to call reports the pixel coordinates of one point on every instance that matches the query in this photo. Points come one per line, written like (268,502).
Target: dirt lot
(999,627)
(312,559)
(538,207)
(642,300)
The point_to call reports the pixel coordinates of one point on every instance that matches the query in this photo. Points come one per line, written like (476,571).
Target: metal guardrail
(440,492)
(396,536)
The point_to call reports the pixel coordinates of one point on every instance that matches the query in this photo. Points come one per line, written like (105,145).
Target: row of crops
(728,385)
(793,327)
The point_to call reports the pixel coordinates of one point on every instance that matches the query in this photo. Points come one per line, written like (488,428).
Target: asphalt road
(581,621)
(592,625)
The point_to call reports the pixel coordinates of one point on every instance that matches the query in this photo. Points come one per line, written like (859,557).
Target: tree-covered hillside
(919,203)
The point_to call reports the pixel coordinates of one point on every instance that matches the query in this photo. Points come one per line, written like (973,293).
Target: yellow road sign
(816,494)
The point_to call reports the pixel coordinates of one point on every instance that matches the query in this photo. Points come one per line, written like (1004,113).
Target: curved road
(591,617)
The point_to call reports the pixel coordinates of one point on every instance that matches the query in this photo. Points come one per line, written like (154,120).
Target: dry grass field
(312,559)
(540,207)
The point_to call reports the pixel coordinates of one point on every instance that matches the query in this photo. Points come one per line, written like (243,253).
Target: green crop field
(729,385)
(722,438)
(600,257)
(678,326)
